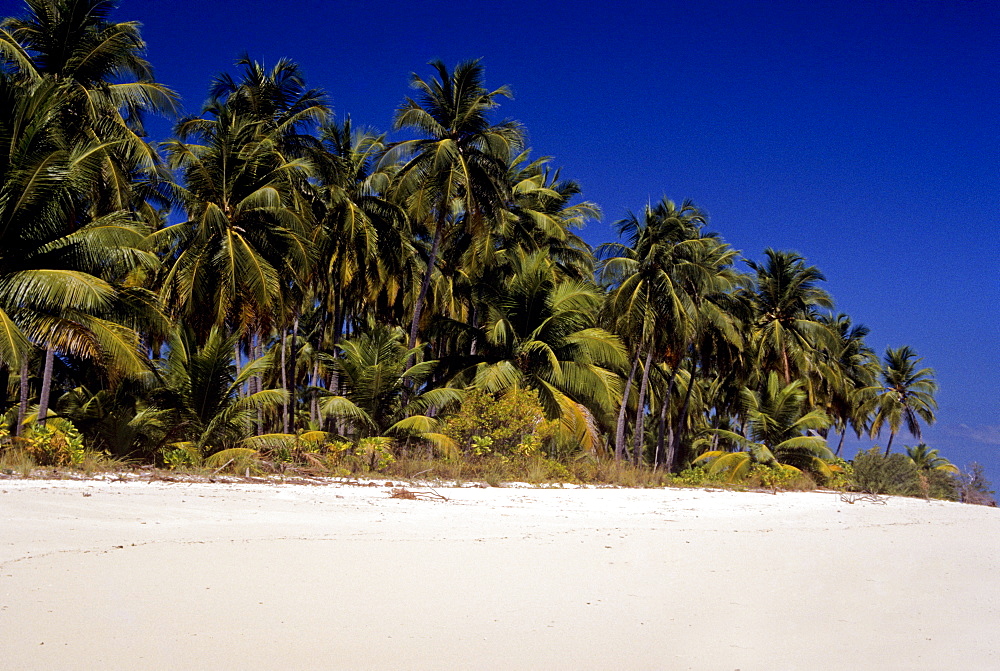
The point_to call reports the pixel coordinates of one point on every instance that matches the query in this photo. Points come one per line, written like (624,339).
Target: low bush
(895,475)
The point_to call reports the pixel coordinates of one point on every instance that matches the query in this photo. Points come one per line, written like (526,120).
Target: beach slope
(177,575)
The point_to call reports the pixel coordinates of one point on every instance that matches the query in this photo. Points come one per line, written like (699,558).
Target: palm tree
(927,459)
(846,376)
(777,422)
(540,332)
(232,260)
(104,86)
(456,172)
(108,84)
(906,396)
(646,303)
(361,237)
(61,267)
(200,393)
(544,214)
(786,299)
(374,372)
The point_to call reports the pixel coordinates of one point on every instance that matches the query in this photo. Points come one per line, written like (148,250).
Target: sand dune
(99,575)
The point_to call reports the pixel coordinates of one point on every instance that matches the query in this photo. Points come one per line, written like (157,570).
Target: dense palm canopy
(271,271)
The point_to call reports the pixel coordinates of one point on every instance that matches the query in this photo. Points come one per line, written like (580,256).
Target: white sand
(100,575)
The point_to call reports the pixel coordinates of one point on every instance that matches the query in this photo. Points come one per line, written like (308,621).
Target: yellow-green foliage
(512,425)
(55,443)
(375,453)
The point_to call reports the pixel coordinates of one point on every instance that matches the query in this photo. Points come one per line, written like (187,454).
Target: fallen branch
(403,493)
(870,497)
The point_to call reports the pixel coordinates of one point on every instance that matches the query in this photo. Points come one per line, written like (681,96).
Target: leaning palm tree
(906,395)
(455,173)
(778,424)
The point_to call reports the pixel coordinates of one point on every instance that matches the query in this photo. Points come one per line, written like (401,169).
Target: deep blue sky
(864,135)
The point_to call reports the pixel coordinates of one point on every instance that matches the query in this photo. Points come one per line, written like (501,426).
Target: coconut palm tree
(845,377)
(105,86)
(777,422)
(61,266)
(543,216)
(200,393)
(926,459)
(108,84)
(906,395)
(375,375)
(540,332)
(455,173)
(232,260)
(646,303)
(787,299)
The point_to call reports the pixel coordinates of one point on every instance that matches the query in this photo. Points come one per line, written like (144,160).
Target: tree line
(273,276)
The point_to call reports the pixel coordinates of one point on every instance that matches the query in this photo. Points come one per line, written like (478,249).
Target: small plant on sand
(375,453)
(511,425)
(54,443)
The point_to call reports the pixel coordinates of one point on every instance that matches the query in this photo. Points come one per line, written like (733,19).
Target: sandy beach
(115,575)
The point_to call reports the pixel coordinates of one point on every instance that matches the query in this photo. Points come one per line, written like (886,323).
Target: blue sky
(864,135)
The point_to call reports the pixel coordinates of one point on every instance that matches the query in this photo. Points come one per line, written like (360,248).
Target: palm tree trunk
(676,443)
(892,434)
(640,412)
(314,401)
(293,357)
(242,391)
(257,384)
(425,284)
(22,406)
(664,406)
(840,445)
(43,397)
(622,411)
(284,382)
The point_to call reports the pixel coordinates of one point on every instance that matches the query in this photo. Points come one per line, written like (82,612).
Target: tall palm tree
(906,396)
(455,173)
(787,299)
(846,376)
(108,83)
(61,267)
(105,87)
(646,303)
(543,216)
(231,262)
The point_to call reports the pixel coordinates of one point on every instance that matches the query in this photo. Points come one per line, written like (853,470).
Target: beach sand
(118,575)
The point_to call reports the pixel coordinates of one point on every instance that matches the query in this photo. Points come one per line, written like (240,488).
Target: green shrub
(54,443)
(375,453)
(509,426)
(896,474)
